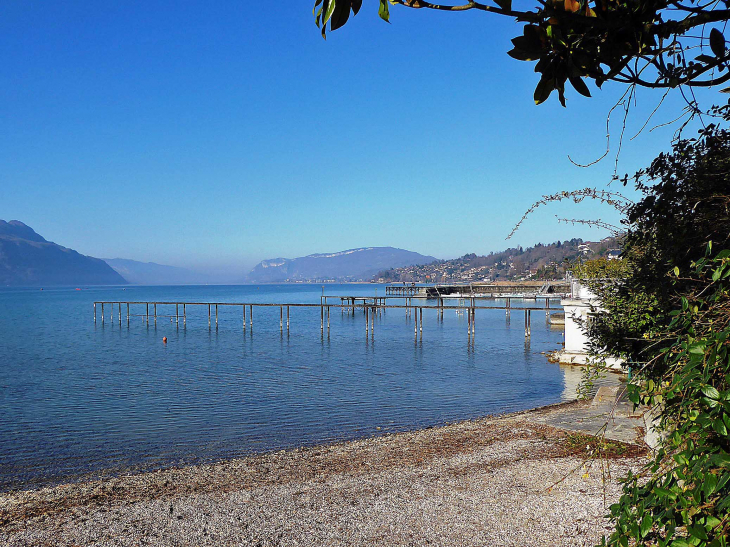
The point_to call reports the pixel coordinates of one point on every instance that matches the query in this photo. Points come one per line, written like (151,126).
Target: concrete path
(610,414)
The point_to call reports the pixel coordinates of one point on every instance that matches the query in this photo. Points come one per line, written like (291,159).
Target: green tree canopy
(648,43)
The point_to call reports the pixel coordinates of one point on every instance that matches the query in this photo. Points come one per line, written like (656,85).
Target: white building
(579,308)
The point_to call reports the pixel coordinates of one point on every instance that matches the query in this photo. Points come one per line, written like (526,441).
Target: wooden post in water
(321,314)
(216,317)
(155,312)
(127,314)
(94,312)
(420,320)
(328,319)
(185,317)
(119,306)
(287,319)
(367,320)
(529,322)
(177,315)
(281,319)
(147,314)
(250,316)
(102,313)
(244,317)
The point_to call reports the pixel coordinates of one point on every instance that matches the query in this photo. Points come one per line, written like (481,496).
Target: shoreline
(115,472)
(410,469)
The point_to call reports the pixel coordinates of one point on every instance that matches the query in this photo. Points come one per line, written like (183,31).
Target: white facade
(578,308)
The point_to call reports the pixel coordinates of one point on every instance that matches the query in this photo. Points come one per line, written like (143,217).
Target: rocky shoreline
(506,480)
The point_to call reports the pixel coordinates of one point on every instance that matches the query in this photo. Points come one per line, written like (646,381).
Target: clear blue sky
(216,134)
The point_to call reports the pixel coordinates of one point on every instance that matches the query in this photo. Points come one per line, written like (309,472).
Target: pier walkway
(371,306)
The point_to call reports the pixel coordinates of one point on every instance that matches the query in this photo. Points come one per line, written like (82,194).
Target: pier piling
(372,307)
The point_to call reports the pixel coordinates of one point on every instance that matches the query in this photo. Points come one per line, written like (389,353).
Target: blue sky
(213,135)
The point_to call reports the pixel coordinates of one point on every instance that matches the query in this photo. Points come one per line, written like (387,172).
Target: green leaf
(340,15)
(711,392)
(717,42)
(329,9)
(709,484)
(522,55)
(676,271)
(719,426)
(697,531)
(646,524)
(384,11)
(543,89)
(697,349)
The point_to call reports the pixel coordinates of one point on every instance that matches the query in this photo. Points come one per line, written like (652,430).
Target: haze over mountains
(149,273)
(351,265)
(26,258)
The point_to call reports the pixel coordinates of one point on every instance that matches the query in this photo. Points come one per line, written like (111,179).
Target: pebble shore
(495,481)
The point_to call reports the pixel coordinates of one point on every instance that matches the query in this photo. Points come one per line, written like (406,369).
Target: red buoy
(164,339)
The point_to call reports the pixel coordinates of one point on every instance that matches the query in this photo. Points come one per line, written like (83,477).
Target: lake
(80,399)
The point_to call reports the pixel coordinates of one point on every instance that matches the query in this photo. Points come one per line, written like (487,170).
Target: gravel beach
(493,481)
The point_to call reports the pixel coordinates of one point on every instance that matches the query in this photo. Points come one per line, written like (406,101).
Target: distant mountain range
(149,273)
(351,265)
(26,258)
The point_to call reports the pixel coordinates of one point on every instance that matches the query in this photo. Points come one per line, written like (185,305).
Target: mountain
(149,273)
(538,262)
(351,265)
(26,258)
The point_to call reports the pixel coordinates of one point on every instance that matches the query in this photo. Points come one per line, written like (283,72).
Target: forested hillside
(538,262)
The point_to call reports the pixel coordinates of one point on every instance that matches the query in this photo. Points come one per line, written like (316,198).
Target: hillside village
(540,262)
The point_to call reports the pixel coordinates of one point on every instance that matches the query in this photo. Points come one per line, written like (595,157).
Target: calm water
(78,398)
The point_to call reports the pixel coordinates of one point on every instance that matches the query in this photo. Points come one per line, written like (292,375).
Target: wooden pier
(371,306)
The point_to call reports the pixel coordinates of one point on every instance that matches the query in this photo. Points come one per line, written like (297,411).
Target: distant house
(613,254)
